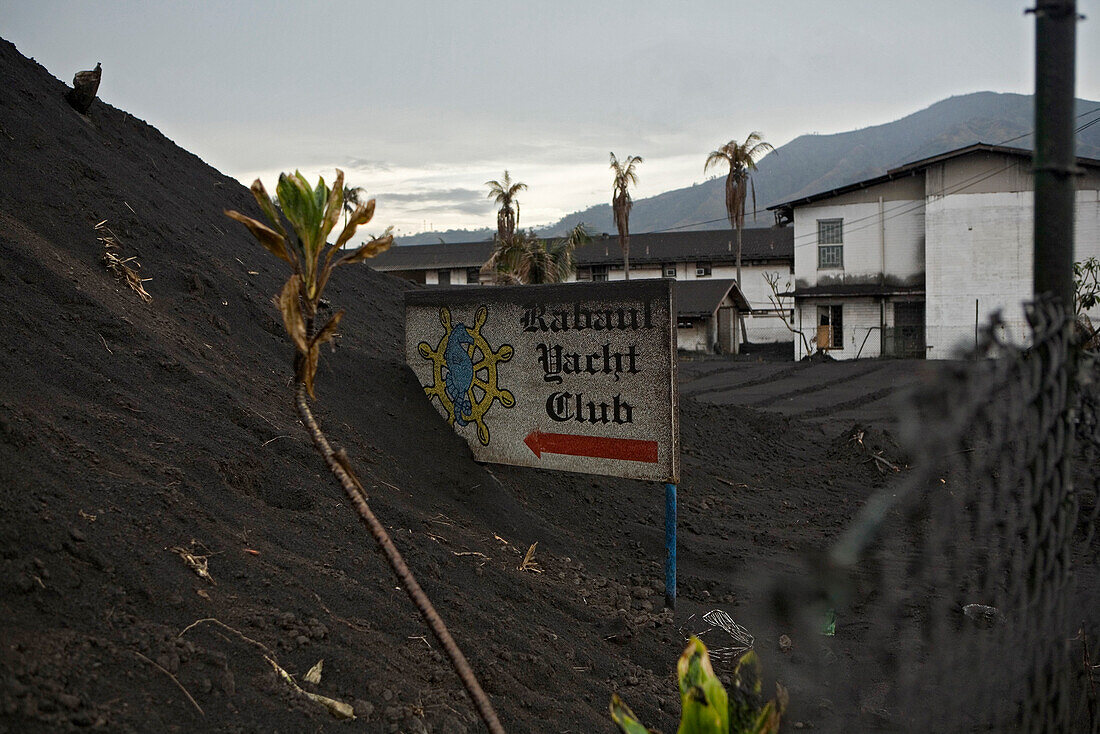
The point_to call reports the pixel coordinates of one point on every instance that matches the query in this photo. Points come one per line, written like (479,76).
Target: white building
(707,315)
(911,263)
(709,255)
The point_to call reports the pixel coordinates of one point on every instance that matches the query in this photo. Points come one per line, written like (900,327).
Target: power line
(914,206)
(1087,125)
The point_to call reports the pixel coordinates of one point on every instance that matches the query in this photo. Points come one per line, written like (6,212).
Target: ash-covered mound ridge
(136,435)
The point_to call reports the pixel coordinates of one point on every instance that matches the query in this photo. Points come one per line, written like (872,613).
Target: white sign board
(577,377)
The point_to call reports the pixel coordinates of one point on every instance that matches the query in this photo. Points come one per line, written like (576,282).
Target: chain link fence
(974,583)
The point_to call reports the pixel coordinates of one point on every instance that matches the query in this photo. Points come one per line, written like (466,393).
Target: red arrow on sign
(626,449)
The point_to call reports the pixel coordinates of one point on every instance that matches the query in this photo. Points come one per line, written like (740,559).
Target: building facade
(913,262)
(709,255)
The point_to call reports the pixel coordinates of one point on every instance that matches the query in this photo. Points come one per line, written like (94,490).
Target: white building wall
(896,230)
(980,256)
(694,338)
(979,261)
(980,252)
(861,319)
(767,329)
(759,329)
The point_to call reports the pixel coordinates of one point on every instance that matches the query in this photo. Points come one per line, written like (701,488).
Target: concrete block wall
(767,329)
(861,316)
(979,261)
(979,254)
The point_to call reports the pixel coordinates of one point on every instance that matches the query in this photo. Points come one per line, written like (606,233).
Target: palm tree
(510,261)
(353,197)
(504,192)
(741,158)
(556,261)
(621,203)
(528,259)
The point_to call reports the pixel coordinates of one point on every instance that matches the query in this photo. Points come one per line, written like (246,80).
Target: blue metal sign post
(670,546)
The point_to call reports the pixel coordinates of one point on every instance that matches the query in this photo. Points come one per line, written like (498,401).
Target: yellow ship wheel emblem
(465,372)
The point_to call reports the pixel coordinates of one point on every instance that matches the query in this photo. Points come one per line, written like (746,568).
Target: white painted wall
(767,329)
(694,338)
(763,329)
(902,220)
(860,317)
(980,250)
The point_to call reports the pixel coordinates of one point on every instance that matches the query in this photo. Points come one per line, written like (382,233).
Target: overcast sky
(422,102)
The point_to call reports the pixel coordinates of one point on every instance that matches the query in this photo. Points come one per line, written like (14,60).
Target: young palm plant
(706,708)
(510,262)
(313,212)
(621,203)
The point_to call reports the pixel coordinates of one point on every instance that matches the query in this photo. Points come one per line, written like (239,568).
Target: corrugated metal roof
(711,246)
(914,167)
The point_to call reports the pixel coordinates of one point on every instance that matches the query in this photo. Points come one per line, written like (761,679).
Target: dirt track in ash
(129,429)
(830,394)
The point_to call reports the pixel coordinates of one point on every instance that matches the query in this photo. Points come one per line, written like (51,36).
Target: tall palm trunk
(739,257)
(740,315)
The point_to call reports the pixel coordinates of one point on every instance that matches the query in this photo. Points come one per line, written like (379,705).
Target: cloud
(362,164)
(462,200)
(458,194)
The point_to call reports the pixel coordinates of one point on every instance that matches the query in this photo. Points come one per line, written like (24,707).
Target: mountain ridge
(812,163)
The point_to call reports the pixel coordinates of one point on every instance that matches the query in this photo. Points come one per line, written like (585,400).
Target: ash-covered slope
(131,433)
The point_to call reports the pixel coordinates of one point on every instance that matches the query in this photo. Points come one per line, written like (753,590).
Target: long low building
(913,262)
(705,256)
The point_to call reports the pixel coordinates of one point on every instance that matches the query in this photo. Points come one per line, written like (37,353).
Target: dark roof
(702,297)
(419,257)
(716,245)
(910,169)
(856,289)
(712,245)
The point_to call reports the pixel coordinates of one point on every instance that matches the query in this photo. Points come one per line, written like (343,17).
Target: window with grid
(473,276)
(599,272)
(830,243)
